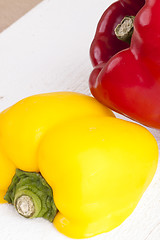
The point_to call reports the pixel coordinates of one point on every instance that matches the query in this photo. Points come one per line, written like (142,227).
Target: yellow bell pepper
(97,166)
(100,175)
(23,125)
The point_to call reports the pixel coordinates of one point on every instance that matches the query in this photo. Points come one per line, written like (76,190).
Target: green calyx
(124,30)
(31,195)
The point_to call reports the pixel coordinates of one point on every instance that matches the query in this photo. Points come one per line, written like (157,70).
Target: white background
(48,50)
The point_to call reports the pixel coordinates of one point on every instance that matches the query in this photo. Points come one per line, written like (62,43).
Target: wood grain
(12,10)
(45,51)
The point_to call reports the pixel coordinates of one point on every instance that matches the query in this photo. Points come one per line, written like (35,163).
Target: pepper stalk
(31,195)
(124,30)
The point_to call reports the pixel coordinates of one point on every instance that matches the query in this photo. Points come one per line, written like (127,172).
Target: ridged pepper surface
(105,44)
(129,83)
(66,158)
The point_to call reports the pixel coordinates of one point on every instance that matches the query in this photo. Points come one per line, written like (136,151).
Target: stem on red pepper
(31,195)
(124,30)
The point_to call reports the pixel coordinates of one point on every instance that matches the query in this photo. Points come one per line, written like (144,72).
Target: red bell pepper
(105,44)
(129,83)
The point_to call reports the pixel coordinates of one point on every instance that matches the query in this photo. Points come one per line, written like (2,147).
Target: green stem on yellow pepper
(31,195)
(124,30)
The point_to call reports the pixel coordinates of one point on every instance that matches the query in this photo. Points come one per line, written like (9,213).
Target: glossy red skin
(105,44)
(130,81)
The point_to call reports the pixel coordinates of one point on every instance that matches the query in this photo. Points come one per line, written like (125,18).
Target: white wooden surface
(48,50)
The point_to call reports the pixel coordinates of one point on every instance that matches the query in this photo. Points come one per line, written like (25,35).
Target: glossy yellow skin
(98,169)
(98,166)
(23,125)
